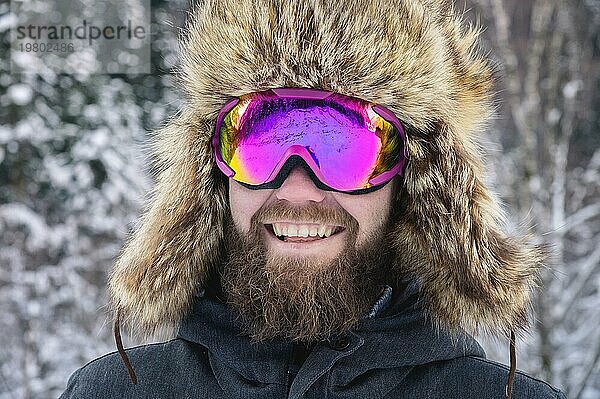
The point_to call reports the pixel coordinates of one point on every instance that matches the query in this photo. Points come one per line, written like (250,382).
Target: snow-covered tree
(73,174)
(548,170)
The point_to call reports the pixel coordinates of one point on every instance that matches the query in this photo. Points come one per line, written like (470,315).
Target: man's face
(305,288)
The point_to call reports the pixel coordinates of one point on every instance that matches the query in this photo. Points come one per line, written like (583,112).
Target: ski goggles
(345,144)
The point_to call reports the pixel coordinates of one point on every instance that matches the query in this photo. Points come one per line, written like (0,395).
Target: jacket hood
(415,57)
(402,332)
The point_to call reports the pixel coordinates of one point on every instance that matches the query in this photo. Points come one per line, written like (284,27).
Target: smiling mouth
(288,232)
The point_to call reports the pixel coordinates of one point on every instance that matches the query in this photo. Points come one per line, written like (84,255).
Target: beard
(304,299)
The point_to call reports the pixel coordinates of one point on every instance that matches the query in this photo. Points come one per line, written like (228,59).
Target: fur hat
(417,58)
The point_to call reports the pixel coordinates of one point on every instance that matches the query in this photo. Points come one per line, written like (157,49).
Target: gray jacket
(395,352)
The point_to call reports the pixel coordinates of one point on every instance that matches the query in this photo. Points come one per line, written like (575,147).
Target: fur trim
(419,59)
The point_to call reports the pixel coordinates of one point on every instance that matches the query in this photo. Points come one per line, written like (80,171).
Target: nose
(298,187)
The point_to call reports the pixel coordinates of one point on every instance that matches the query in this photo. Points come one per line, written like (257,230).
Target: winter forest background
(74,174)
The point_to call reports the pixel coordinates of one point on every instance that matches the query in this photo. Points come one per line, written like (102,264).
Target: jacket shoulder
(524,385)
(472,377)
(156,366)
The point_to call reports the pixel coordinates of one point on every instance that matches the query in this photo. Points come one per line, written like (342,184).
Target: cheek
(371,211)
(370,216)
(244,203)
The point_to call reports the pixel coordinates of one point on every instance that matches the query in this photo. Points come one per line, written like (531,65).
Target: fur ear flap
(177,243)
(449,233)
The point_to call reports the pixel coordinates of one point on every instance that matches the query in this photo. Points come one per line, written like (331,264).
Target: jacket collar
(401,330)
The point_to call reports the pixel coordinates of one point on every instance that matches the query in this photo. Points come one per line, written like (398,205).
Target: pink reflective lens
(349,144)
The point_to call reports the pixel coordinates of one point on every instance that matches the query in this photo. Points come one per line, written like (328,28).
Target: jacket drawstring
(131,371)
(513,366)
(124,357)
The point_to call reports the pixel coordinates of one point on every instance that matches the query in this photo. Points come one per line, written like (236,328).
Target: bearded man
(320,226)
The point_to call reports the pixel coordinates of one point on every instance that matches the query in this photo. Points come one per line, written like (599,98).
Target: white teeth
(292,230)
(322,229)
(302,230)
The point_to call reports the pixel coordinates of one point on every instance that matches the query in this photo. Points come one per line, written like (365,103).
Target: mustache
(312,212)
